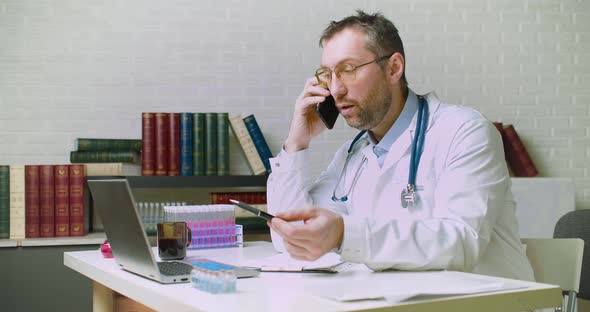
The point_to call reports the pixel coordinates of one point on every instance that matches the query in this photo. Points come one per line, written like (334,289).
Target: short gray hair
(382,36)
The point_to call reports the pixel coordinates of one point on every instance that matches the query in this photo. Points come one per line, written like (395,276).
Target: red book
(147,144)
(516,154)
(77,200)
(254,198)
(62,200)
(161,143)
(174,144)
(31,201)
(46,201)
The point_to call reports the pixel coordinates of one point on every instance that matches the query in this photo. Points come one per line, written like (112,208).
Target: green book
(211,144)
(104,157)
(129,145)
(199,144)
(222,144)
(4,201)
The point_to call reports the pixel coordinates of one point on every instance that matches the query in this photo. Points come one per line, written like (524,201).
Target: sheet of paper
(284,262)
(400,286)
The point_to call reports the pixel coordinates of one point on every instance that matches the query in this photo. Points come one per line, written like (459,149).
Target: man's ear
(395,67)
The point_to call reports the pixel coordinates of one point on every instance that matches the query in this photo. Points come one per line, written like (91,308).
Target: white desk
(283,291)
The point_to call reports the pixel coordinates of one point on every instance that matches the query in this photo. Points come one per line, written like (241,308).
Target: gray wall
(35,279)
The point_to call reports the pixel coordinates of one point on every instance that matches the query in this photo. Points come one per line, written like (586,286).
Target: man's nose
(337,88)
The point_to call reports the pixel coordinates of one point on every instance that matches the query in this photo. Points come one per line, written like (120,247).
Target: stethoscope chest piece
(408,196)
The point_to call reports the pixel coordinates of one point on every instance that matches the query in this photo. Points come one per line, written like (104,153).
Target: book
(222,198)
(46,201)
(174,144)
(517,156)
(161,144)
(112,169)
(17,201)
(97,144)
(4,201)
(32,222)
(104,157)
(61,174)
(186,144)
(222,144)
(148,157)
(199,125)
(76,199)
(211,144)
(245,141)
(259,141)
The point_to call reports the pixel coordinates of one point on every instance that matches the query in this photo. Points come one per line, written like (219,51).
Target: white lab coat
(464,219)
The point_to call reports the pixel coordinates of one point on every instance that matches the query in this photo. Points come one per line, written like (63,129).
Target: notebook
(116,206)
(282,262)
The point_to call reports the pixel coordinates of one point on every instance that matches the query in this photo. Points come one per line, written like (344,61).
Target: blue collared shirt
(382,147)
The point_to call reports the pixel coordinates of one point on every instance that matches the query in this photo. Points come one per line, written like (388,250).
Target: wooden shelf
(190,181)
(90,239)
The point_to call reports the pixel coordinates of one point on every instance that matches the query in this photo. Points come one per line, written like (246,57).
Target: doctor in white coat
(462,217)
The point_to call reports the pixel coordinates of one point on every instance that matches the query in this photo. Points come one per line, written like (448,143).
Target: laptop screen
(116,207)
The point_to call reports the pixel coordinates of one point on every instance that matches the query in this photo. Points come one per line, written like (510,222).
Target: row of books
(184,144)
(92,150)
(518,159)
(42,201)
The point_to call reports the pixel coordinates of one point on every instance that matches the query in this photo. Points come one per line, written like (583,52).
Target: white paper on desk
(400,286)
(283,262)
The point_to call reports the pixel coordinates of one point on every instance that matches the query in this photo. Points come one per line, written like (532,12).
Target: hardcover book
(186,144)
(92,144)
(17,202)
(174,144)
(222,144)
(77,207)
(516,154)
(4,201)
(46,201)
(211,144)
(259,141)
(161,143)
(148,158)
(104,157)
(112,169)
(32,221)
(199,125)
(245,140)
(62,200)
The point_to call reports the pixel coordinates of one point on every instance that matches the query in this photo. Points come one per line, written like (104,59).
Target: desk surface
(287,291)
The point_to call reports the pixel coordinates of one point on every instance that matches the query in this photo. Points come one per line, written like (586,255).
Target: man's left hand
(322,230)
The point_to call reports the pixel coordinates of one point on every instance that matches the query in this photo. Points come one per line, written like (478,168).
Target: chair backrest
(576,224)
(556,261)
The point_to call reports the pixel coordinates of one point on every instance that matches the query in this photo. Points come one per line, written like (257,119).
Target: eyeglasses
(344,72)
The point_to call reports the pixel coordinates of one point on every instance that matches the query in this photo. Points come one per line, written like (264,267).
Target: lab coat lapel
(403,144)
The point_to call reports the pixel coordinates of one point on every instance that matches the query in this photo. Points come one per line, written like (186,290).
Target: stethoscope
(408,195)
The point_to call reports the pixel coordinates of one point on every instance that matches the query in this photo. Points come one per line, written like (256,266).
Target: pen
(258,212)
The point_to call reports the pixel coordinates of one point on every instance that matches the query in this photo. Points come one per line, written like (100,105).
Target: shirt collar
(398,127)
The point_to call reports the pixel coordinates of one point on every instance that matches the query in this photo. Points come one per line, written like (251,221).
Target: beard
(371,110)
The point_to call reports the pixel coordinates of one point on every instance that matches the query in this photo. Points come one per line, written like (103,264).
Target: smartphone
(328,112)
(258,212)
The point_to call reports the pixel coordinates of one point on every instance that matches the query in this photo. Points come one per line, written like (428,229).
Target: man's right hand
(306,124)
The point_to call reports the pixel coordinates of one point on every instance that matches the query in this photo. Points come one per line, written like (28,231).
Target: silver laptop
(116,206)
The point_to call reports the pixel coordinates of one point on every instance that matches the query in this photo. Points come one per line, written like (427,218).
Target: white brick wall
(73,69)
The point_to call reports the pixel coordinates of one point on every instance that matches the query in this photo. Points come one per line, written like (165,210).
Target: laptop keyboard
(173,268)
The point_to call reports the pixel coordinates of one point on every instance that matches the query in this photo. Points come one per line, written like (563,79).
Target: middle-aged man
(458,214)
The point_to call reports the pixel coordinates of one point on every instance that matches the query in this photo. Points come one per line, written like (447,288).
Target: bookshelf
(190,181)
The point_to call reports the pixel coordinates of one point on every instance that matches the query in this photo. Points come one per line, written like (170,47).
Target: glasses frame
(353,71)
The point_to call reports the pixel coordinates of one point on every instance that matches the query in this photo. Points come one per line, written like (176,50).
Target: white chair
(557,262)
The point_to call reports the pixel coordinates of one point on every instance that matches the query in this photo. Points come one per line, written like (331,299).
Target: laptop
(116,206)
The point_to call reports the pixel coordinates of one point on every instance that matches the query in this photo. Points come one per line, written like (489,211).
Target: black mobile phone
(328,112)
(256,211)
